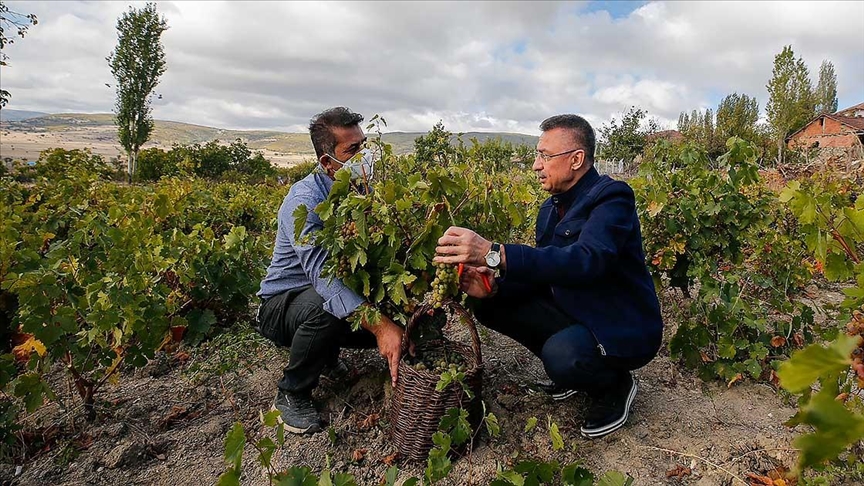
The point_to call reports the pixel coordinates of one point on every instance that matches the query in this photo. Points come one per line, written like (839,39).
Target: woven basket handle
(457,308)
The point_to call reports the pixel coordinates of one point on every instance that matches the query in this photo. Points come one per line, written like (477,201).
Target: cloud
(474,65)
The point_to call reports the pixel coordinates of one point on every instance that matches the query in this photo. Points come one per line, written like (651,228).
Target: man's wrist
(361,313)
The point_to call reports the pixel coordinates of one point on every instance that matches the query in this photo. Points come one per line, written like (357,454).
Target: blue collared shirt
(295,265)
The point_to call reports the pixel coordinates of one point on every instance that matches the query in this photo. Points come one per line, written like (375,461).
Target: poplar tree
(137,63)
(790,97)
(826,89)
(736,117)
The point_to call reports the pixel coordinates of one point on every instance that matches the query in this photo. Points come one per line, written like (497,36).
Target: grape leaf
(807,365)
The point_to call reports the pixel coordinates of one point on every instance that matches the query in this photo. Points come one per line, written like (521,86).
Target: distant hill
(167,133)
(7,114)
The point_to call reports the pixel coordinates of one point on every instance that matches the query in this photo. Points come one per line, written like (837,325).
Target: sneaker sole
(312,429)
(563,395)
(597,433)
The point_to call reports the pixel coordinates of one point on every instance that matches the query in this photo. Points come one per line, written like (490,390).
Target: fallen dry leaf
(757,480)
(177,414)
(819,267)
(734,380)
(779,475)
(778,341)
(369,422)
(389,460)
(775,380)
(705,357)
(798,339)
(679,472)
(358,455)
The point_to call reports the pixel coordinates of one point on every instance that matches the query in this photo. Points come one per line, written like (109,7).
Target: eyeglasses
(547,157)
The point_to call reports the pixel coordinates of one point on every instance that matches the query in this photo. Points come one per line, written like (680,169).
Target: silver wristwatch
(493,256)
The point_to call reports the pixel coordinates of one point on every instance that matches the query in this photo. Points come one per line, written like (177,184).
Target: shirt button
(567,233)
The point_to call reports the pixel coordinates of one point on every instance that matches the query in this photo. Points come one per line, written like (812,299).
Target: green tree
(826,89)
(698,127)
(137,63)
(736,117)
(790,97)
(691,124)
(435,146)
(10,20)
(154,163)
(626,138)
(708,133)
(683,121)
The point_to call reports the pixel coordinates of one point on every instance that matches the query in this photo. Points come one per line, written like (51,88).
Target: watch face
(493,258)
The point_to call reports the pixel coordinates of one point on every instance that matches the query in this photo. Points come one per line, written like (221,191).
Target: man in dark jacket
(582,300)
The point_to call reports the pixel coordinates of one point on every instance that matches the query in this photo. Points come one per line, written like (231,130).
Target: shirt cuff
(343,304)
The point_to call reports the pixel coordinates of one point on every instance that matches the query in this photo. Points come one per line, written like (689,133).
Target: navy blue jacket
(593,262)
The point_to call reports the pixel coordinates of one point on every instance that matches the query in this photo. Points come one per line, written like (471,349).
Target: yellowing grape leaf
(22,351)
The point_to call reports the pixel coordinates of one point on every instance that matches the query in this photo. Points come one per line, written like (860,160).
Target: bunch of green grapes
(446,284)
(343,268)
(438,362)
(349,230)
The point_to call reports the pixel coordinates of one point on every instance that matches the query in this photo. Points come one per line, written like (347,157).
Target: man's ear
(578,161)
(326,163)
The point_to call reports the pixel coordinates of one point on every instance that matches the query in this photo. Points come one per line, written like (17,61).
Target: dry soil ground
(165,424)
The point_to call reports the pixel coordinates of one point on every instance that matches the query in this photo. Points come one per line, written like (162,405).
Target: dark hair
(321,124)
(580,129)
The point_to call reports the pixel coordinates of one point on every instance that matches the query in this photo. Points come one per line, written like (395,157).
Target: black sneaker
(608,412)
(298,412)
(557,393)
(336,371)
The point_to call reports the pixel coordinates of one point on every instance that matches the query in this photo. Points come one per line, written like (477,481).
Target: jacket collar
(582,186)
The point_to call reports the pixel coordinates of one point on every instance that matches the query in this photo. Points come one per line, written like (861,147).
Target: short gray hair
(580,129)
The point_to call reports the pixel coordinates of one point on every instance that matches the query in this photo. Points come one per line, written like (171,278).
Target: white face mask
(362,162)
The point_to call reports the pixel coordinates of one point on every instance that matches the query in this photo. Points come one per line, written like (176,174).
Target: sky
(476,66)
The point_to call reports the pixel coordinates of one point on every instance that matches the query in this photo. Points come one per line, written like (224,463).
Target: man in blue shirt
(302,310)
(582,300)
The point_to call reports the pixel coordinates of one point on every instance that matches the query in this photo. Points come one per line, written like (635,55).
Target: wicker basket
(416,408)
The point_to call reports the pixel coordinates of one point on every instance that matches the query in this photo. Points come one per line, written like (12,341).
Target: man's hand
(461,245)
(472,282)
(389,337)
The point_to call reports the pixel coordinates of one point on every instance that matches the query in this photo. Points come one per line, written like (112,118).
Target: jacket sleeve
(339,300)
(596,248)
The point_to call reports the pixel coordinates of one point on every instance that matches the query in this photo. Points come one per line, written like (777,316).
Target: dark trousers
(568,350)
(296,319)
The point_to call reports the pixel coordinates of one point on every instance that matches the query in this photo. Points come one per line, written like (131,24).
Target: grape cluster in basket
(438,361)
